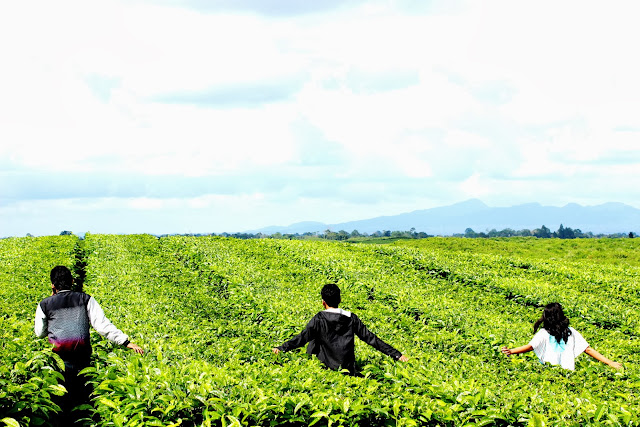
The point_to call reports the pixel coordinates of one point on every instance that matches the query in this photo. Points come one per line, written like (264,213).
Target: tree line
(342,235)
(326,235)
(542,233)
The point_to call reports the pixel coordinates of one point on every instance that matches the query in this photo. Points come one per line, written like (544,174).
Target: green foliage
(208,310)
(29,371)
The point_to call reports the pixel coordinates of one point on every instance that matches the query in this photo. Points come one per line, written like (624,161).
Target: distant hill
(607,218)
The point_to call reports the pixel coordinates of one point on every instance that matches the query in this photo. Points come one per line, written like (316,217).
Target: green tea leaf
(537,420)
(10,422)
(58,389)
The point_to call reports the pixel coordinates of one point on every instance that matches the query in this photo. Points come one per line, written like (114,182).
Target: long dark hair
(554,321)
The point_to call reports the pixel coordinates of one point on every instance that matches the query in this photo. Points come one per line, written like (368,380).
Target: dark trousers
(78,393)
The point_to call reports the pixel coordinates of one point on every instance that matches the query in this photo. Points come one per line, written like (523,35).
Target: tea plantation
(208,310)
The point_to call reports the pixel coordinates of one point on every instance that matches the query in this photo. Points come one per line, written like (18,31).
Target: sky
(202,116)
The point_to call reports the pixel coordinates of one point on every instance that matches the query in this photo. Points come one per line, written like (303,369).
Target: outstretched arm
(591,352)
(105,328)
(517,350)
(299,340)
(103,325)
(370,338)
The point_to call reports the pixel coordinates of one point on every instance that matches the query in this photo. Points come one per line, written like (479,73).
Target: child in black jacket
(330,335)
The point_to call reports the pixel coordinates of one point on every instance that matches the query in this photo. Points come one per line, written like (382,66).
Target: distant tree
(542,232)
(386,233)
(560,232)
(29,235)
(507,232)
(631,234)
(398,234)
(66,233)
(342,235)
(470,233)
(525,232)
(355,233)
(565,233)
(330,235)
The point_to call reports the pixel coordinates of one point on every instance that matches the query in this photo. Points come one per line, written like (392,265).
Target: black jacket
(330,335)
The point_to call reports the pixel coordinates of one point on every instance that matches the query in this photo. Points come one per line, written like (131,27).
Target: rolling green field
(208,310)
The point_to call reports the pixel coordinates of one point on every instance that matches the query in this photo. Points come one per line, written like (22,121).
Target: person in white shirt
(557,343)
(64,318)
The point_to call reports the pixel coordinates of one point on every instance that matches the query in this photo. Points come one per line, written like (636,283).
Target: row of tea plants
(208,310)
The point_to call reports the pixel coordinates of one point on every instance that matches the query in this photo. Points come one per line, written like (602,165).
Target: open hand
(135,348)
(506,351)
(276,350)
(403,358)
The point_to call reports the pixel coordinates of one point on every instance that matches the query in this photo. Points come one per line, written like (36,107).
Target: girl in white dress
(557,342)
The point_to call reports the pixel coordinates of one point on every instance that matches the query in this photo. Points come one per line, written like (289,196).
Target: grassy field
(208,310)
(622,252)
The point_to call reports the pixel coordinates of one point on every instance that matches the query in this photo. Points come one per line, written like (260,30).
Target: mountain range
(607,218)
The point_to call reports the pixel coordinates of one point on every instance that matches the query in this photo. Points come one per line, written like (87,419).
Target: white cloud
(145,203)
(476,187)
(566,60)
(495,100)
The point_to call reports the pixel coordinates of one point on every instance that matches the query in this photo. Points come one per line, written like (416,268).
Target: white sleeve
(538,339)
(580,343)
(539,343)
(103,325)
(41,323)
